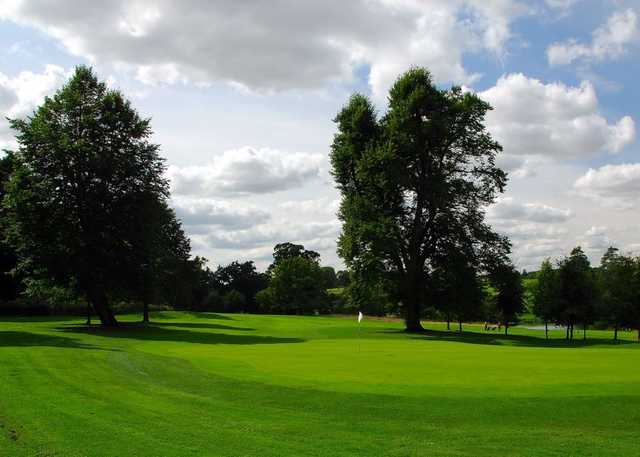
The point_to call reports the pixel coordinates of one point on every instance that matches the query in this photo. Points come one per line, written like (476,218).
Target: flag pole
(360,317)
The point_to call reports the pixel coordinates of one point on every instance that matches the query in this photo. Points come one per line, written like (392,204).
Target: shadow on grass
(508,340)
(202,325)
(27,339)
(153,332)
(162,315)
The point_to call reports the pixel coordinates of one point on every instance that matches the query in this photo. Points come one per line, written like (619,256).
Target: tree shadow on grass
(154,332)
(27,339)
(495,339)
(201,325)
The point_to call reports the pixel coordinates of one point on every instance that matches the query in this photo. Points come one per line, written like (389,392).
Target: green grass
(241,385)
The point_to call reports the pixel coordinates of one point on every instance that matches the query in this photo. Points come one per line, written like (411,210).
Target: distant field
(246,385)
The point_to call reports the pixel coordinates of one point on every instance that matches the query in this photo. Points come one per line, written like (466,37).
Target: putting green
(236,385)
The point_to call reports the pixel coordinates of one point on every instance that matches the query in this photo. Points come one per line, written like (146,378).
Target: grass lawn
(244,385)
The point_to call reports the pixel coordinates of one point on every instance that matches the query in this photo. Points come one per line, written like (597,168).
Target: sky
(242,97)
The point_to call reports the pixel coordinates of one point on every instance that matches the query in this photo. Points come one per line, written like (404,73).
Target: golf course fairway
(252,385)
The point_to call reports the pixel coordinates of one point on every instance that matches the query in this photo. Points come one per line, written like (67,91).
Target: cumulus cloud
(246,171)
(275,45)
(207,212)
(270,234)
(610,41)
(537,230)
(507,208)
(611,185)
(553,121)
(21,94)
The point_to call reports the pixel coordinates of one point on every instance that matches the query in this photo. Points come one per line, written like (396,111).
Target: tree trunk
(98,299)
(571,332)
(546,330)
(460,326)
(412,316)
(615,332)
(567,336)
(88,313)
(506,328)
(448,322)
(145,313)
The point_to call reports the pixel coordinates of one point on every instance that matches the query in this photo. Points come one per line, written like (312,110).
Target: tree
(510,297)
(414,186)
(83,165)
(164,251)
(576,291)
(343,277)
(616,278)
(545,296)
(10,284)
(329,278)
(458,292)
(243,278)
(295,287)
(283,251)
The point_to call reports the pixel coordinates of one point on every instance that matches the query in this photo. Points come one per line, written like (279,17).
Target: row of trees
(573,293)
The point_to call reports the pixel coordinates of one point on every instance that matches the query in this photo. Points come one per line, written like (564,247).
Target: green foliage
(242,278)
(296,286)
(283,251)
(414,186)
(510,293)
(619,282)
(85,182)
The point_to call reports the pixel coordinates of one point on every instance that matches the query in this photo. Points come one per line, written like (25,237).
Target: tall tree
(616,277)
(510,298)
(83,164)
(576,291)
(414,185)
(545,296)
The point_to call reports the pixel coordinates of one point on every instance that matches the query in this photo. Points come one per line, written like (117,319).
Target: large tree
(83,166)
(414,186)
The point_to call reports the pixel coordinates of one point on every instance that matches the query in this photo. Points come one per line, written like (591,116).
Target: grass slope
(241,385)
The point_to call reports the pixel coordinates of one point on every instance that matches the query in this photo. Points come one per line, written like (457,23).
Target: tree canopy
(414,185)
(87,193)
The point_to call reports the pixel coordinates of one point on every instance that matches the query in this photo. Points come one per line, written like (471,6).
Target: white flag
(360,316)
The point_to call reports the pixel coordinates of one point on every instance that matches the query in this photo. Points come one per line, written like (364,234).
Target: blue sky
(242,99)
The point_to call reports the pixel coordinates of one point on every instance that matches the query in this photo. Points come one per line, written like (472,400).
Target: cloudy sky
(242,97)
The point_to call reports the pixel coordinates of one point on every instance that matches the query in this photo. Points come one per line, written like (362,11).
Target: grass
(243,385)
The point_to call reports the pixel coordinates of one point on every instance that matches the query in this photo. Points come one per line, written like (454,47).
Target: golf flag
(360,316)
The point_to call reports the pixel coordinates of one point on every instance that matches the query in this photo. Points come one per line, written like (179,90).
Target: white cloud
(270,234)
(553,121)
(276,45)
(610,41)
(223,214)
(506,208)
(21,94)
(611,185)
(246,171)
(561,4)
